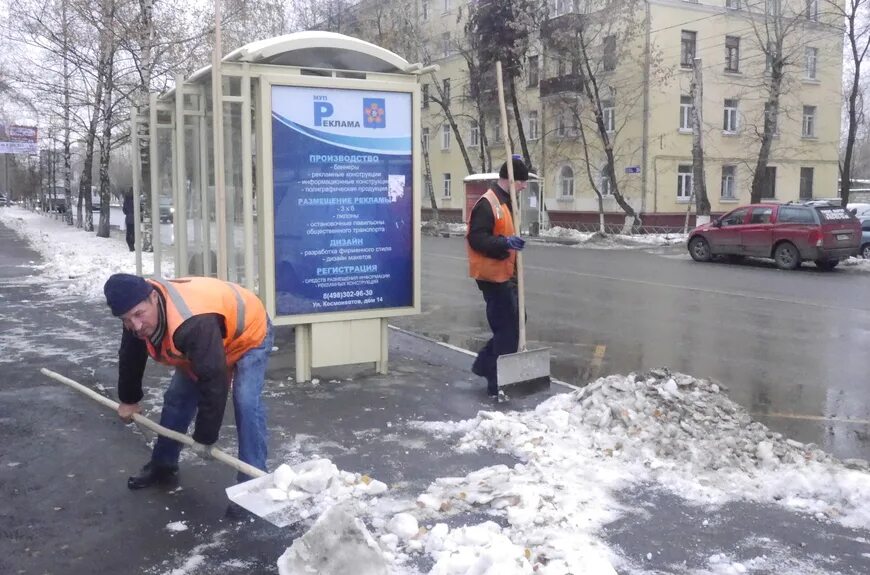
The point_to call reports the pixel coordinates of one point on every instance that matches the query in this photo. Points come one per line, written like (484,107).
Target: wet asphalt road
(790,346)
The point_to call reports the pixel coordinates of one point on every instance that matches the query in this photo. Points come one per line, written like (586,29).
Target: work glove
(202,450)
(516,243)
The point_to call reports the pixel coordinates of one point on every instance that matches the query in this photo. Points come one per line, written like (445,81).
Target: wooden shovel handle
(516,213)
(216,453)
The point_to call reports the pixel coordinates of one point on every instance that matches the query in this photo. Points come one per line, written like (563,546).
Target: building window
(609,53)
(728,183)
(732,54)
(811,56)
(424,137)
(773,7)
(684,182)
(496,131)
(445,88)
(732,4)
(609,112)
(533,71)
(809,129)
(446,7)
(685,113)
(445,136)
(446,185)
(729,123)
(561,125)
(604,182)
(768,187)
(560,67)
(445,44)
(533,125)
(687,49)
(424,9)
(425,95)
(813,10)
(566,181)
(806,183)
(474,135)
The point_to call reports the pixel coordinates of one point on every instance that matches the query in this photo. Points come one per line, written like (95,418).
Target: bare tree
(591,44)
(512,22)
(699,176)
(778,28)
(856,21)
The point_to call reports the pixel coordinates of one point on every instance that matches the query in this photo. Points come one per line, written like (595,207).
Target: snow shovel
(526,370)
(250,494)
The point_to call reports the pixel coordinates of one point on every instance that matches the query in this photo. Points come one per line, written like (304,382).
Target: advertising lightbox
(343,200)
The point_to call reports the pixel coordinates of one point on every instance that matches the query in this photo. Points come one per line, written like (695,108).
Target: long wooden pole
(521,292)
(216,453)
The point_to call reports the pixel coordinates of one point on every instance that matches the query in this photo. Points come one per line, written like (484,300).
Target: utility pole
(699,184)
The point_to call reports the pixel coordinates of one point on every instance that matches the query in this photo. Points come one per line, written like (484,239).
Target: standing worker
(492,247)
(217,335)
(129,219)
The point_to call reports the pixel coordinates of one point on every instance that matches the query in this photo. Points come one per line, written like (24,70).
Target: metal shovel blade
(524,371)
(252,496)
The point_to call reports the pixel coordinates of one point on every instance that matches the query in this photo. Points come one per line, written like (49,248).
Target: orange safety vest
(243,314)
(481,267)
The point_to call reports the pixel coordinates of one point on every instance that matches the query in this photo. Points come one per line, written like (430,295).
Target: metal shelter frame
(229,232)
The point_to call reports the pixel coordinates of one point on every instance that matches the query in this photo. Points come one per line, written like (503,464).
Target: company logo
(374,113)
(323,112)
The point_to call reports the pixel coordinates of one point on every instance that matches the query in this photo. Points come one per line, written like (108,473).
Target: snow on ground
(79,261)
(613,241)
(595,240)
(856,264)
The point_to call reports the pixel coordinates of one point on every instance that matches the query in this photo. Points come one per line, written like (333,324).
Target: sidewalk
(65,461)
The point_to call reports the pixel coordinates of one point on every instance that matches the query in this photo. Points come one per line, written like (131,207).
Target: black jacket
(128,209)
(480,227)
(200,338)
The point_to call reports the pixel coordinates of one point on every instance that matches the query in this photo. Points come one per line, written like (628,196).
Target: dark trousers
(131,237)
(503,317)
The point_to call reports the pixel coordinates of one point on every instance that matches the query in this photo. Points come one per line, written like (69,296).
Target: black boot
(153,474)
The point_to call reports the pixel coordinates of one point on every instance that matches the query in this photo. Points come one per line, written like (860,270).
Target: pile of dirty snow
(856,264)
(680,432)
(613,241)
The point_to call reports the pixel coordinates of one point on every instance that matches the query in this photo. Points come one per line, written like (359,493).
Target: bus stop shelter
(308,195)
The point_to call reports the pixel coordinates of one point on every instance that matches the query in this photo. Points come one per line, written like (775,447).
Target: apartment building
(643,63)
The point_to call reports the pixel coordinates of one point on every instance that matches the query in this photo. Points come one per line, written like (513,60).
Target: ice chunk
(314,476)
(404,525)
(283,477)
(337,544)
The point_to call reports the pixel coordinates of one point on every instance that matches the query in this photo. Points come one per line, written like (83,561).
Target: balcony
(567,84)
(561,32)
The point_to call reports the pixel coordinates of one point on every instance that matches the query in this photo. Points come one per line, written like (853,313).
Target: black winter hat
(521,172)
(125,291)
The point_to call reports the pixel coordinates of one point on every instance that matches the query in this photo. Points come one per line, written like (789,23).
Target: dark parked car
(787,233)
(167,211)
(3,200)
(865,238)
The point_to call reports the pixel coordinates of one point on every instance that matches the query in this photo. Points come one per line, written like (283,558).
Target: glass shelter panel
(196,195)
(234,191)
(166,201)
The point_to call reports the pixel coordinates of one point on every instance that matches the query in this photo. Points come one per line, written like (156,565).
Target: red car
(787,233)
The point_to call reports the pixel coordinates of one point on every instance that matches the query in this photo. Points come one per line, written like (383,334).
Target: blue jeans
(502,313)
(182,397)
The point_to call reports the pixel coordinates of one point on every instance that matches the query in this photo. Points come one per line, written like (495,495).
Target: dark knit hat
(125,291)
(521,172)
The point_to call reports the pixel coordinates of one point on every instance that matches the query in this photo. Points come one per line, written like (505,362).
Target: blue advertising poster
(343,181)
